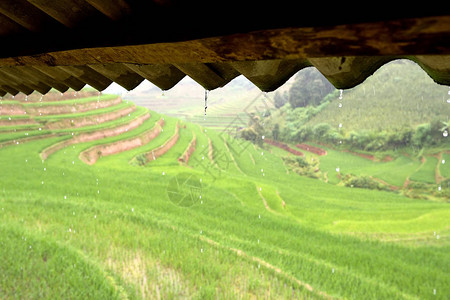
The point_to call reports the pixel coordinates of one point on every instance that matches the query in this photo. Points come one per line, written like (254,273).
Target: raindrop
(340,125)
(338,170)
(332,270)
(445,133)
(65,197)
(340,94)
(437,236)
(340,105)
(42,182)
(262,153)
(448,100)
(45,169)
(434,291)
(443,161)
(132,209)
(95,217)
(259,216)
(439,188)
(201,250)
(262,137)
(262,170)
(164,173)
(206,101)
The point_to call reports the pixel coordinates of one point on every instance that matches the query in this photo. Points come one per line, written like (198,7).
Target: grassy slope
(116,224)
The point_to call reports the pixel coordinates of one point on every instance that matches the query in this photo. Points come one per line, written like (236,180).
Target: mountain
(399,94)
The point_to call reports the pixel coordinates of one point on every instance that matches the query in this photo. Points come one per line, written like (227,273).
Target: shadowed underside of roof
(68,44)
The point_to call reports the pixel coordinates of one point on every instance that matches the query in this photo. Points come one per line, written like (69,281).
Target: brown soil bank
(91,155)
(155,153)
(11,110)
(316,150)
(70,108)
(90,120)
(284,147)
(15,122)
(95,135)
(184,159)
(29,139)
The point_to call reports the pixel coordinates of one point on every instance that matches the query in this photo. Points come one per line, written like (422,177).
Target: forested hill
(399,94)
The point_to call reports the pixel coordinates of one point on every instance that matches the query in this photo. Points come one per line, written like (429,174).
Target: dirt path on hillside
(438,178)
(391,187)
(264,201)
(281,199)
(267,265)
(423,160)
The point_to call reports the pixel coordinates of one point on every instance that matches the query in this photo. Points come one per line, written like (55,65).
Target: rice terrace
(174,150)
(104,199)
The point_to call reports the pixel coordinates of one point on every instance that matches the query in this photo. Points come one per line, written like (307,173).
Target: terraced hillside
(103,199)
(228,107)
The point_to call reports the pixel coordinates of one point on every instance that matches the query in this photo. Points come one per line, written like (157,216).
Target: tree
(320,130)
(254,131)
(276,131)
(309,88)
(280,100)
(422,135)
